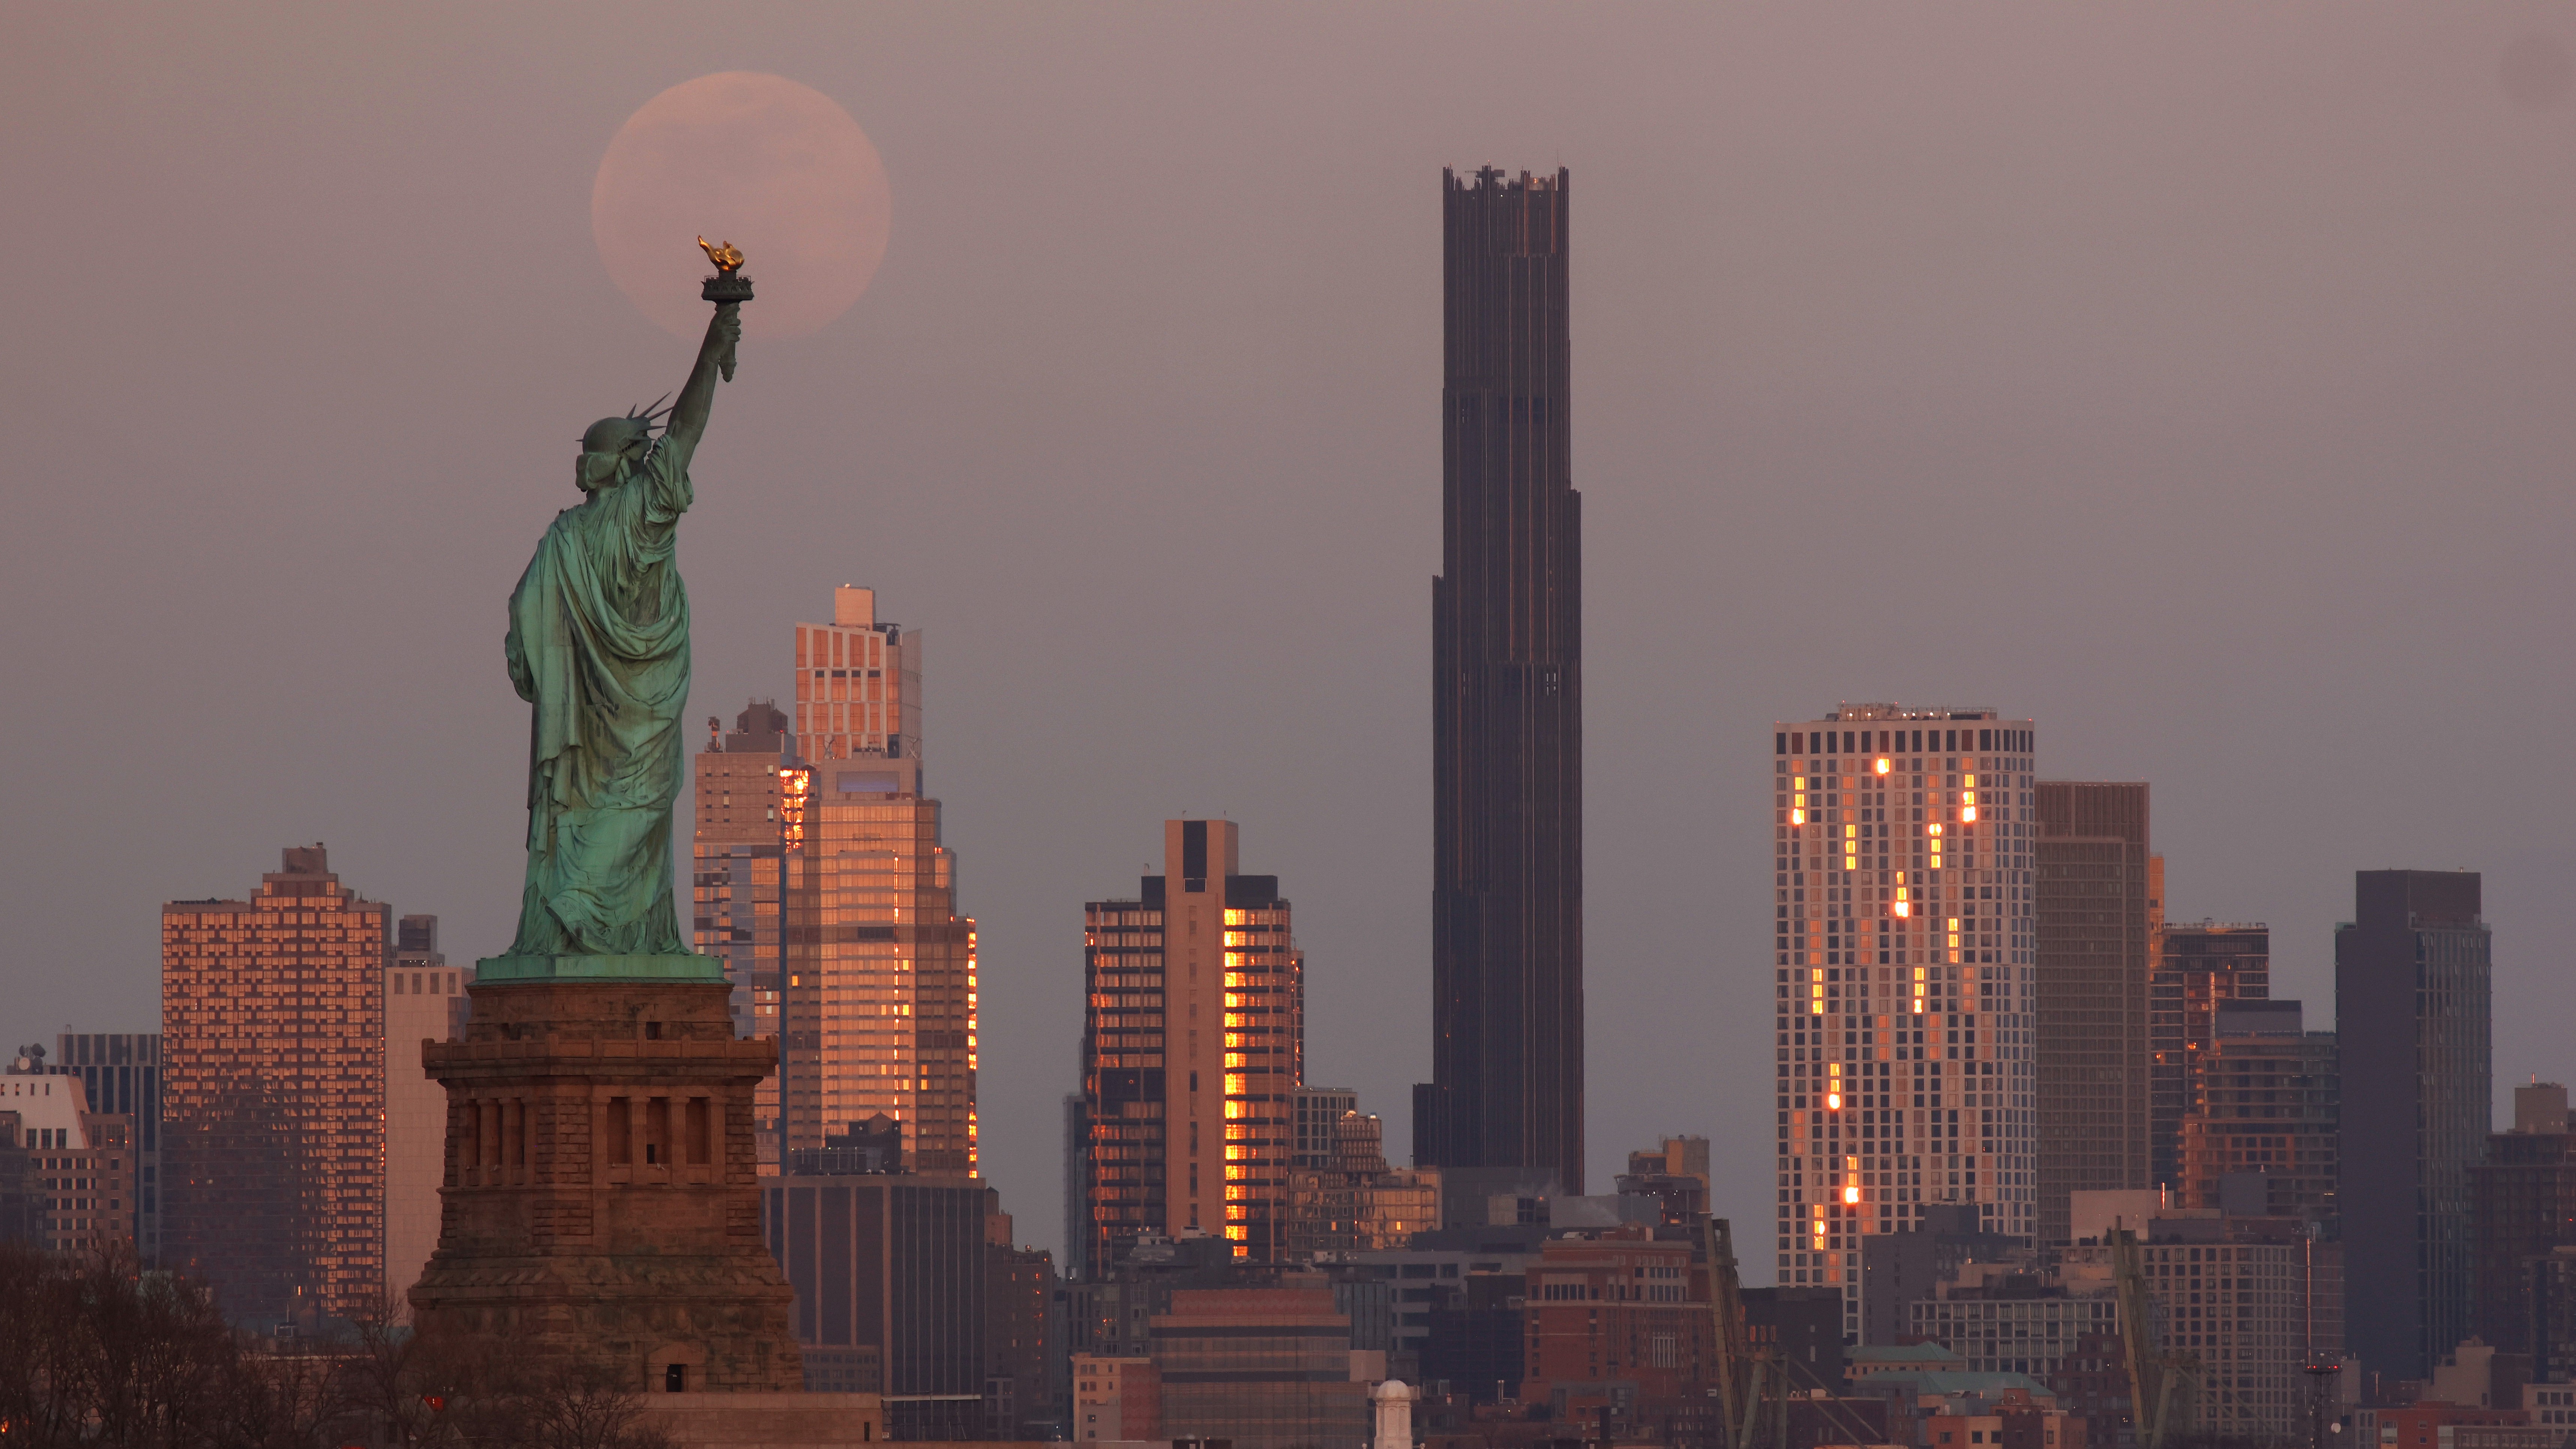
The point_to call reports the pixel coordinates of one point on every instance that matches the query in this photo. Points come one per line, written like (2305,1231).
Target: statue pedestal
(685,966)
(602,1201)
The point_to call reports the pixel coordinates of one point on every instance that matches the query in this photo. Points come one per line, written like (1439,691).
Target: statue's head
(613,446)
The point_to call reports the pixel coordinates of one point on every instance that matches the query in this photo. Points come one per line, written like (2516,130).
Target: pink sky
(2193,378)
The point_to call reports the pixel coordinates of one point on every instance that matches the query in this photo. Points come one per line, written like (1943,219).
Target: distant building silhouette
(2096,915)
(2263,1134)
(2412,1011)
(1505,1102)
(2198,969)
(2522,1206)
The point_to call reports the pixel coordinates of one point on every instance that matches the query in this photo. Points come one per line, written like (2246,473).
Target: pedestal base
(685,966)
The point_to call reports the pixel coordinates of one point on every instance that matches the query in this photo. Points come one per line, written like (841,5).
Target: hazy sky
(2192,378)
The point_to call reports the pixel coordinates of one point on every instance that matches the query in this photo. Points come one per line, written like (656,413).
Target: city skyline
(1172,528)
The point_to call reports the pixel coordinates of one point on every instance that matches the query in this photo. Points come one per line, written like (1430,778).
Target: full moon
(776,168)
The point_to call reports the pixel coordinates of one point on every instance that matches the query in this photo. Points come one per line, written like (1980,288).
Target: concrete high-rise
(2199,968)
(273,1093)
(858,683)
(425,1002)
(877,1009)
(2412,1011)
(2096,930)
(1505,1103)
(1193,1048)
(1903,956)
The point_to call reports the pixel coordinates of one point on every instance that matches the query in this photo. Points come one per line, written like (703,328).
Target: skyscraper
(2096,927)
(273,1093)
(1193,1048)
(2412,972)
(1903,959)
(1506,1097)
(2198,970)
(878,1007)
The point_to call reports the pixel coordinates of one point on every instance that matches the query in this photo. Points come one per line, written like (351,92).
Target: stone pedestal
(767,1421)
(601,1201)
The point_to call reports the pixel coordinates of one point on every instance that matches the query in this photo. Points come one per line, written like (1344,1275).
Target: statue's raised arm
(698,394)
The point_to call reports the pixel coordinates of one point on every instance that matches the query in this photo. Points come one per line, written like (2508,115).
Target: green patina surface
(599,647)
(670,966)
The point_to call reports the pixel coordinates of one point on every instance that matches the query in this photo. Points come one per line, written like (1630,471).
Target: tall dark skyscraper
(2412,972)
(2096,926)
(1506,1095)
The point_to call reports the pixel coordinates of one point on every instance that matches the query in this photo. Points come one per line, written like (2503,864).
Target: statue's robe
(599,643)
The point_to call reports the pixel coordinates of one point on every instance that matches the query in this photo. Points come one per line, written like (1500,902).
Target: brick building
(1618,1320)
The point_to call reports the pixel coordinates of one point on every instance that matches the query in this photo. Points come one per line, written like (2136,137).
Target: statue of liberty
(599,645)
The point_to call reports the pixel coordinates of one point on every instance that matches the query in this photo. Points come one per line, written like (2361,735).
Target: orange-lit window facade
(881,999)
(273,1093)
(1193,1053)
(858,691)
(1123,1066)
(1265,1035)
(1902,961)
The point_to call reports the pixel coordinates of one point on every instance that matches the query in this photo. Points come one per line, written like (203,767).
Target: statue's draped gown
(599,643)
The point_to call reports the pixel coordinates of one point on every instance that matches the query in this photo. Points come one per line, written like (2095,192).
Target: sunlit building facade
(876,977)
(1903,964)
(273,1093)
(1193,1049)
(858,683)
(879,1009)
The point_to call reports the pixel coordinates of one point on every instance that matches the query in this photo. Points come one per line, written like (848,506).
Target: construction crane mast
(2162,1384)
(1739,1371)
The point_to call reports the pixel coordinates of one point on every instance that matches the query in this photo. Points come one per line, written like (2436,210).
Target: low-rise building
(1116,1398)
(2438,1424)
(1615,1322)
(2016,1419)
(1265,1367)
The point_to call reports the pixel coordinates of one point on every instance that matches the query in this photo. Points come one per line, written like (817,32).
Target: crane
(1739,1371)
(1754,1378)
(2162,1384)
